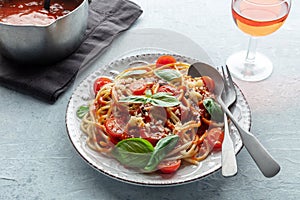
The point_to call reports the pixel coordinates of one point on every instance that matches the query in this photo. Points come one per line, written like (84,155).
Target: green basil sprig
(161,99)
(139,153)
(81,111)
(133,152)
(167,74)
(162,148)
(213,109)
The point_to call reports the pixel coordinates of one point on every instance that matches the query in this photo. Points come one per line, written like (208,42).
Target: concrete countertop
(37,160)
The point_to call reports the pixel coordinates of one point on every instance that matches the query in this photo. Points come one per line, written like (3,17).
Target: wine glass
(256,18)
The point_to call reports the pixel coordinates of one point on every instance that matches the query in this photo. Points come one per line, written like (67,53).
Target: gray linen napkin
(107,18)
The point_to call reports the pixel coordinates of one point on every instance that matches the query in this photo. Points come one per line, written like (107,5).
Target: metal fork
(229,165)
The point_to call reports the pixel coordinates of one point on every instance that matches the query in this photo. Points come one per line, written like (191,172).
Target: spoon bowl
(265,162)
(202,69)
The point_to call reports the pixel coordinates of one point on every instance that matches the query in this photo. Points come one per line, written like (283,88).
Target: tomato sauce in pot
(32,12)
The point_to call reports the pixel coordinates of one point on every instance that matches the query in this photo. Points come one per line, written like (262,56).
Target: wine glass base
(259,70)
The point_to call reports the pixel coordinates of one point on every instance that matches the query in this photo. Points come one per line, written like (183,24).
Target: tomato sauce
(32,12)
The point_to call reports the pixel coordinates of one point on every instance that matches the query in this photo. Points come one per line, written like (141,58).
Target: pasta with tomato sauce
(154,117)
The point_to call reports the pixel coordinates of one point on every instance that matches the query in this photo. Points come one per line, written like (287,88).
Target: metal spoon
(265,162)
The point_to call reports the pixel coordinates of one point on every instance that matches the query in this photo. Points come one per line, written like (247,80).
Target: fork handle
(229,165)
(265,162)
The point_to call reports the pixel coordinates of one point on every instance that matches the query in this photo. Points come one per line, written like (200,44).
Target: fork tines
(229,75)
(227,78)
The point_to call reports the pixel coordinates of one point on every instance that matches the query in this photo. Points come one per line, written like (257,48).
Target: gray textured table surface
(37,160)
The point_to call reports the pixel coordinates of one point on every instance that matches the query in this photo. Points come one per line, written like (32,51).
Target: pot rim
(47,25)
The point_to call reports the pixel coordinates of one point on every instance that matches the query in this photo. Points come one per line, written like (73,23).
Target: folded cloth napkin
(107,18)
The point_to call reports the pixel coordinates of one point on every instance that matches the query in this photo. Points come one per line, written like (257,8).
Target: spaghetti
(143,106)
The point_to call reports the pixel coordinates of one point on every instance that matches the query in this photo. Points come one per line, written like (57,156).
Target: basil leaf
(133,152)
(164,99)
(162,148)
(134,72)
(131,159)
(137,145)
(160,103)
(213,109)
(167,74)
(161,99)
(81,111)
(134,99)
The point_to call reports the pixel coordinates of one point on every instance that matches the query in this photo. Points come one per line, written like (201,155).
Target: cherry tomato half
(215,138)
(164,60)
(209,83)
(100,82)
(168,89)
(138,87)
(115,130)
(168,167)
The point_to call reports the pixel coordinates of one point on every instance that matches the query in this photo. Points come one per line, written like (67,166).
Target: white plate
(109,166)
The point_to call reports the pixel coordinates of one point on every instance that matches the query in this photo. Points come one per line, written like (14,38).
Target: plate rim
(150,184)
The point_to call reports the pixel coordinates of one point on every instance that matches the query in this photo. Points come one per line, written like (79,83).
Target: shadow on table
(206,188)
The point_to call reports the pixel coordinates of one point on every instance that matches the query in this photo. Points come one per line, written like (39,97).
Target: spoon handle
(229,165)
(265,162)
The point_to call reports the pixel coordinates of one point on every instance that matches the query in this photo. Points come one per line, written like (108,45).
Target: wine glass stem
(250,57)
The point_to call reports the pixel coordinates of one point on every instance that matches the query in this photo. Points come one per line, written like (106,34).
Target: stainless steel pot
(45,44)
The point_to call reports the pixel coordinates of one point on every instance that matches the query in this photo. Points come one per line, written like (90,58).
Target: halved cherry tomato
(100,82)
(138,87)
(115,130)
(209,83)
(215,137)
(164,60)
(168,167)
(168,89)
